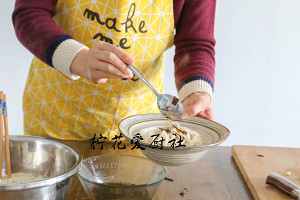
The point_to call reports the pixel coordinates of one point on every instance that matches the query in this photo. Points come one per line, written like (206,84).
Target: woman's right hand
(103,61)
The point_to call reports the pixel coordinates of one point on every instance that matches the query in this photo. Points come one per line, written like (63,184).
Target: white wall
(257,86)
(15,61)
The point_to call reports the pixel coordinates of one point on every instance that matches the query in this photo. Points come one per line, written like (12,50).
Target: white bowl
(211,133)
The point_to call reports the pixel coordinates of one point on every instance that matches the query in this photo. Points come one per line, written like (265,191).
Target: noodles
(174,133)
(22,177)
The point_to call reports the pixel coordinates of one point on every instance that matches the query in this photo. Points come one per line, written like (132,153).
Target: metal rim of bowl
(158,116)
(53,180)
(127,186)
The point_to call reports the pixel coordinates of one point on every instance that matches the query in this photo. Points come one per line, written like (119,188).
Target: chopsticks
(1,132)
(3,118)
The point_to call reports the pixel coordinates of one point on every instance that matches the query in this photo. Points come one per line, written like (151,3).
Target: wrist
(64,55)
(203,95)
(79,62)
(192,87)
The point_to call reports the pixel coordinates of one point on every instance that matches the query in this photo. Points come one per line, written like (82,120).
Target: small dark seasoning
(169,179)
(163,129)
(179,130)
(260,155)
(175,101)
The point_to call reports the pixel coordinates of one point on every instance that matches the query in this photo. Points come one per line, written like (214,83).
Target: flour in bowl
(22,177)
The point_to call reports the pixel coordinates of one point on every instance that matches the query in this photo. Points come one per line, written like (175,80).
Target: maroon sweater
(194,40)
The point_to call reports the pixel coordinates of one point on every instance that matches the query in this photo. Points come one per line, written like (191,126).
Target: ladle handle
(143,79)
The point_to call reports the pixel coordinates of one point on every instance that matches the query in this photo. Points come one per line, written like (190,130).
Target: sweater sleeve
(37,31)
(194,46)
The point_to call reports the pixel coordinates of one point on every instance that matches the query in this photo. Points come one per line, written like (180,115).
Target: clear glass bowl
(120,177)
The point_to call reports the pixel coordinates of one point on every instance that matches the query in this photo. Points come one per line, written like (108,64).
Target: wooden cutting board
(256,162)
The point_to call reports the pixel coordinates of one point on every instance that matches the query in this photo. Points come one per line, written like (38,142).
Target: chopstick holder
(7,151)
(1,132)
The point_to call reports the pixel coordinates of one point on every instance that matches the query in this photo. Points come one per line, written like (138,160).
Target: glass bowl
(211,133)
(120,177)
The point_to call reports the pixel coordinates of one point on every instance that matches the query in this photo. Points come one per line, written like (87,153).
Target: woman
(79,83)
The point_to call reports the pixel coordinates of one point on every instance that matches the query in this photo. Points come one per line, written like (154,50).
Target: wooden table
(213,177)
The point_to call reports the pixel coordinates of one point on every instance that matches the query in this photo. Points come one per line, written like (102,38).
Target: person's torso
(67,109)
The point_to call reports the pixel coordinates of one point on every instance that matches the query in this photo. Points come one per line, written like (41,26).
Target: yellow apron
(56,106)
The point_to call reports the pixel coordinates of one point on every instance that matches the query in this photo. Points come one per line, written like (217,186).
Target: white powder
(22,177)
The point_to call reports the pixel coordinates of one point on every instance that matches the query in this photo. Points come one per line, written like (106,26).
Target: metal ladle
(168,105)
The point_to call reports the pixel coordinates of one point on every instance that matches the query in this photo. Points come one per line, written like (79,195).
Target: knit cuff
(64,55)
(195,86)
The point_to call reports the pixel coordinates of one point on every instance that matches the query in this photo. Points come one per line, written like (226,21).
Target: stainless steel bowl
(44,156)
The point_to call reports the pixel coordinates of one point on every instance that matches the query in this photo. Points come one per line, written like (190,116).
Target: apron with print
(56,106)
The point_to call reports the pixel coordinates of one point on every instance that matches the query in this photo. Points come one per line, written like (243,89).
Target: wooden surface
(255,168)
(213,177)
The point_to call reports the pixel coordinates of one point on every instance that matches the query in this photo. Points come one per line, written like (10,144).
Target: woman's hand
(198,104)
(103,61)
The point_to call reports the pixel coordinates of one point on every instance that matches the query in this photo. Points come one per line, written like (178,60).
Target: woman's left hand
(198,104)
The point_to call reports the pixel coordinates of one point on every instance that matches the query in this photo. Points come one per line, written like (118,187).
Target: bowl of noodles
(172,143)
